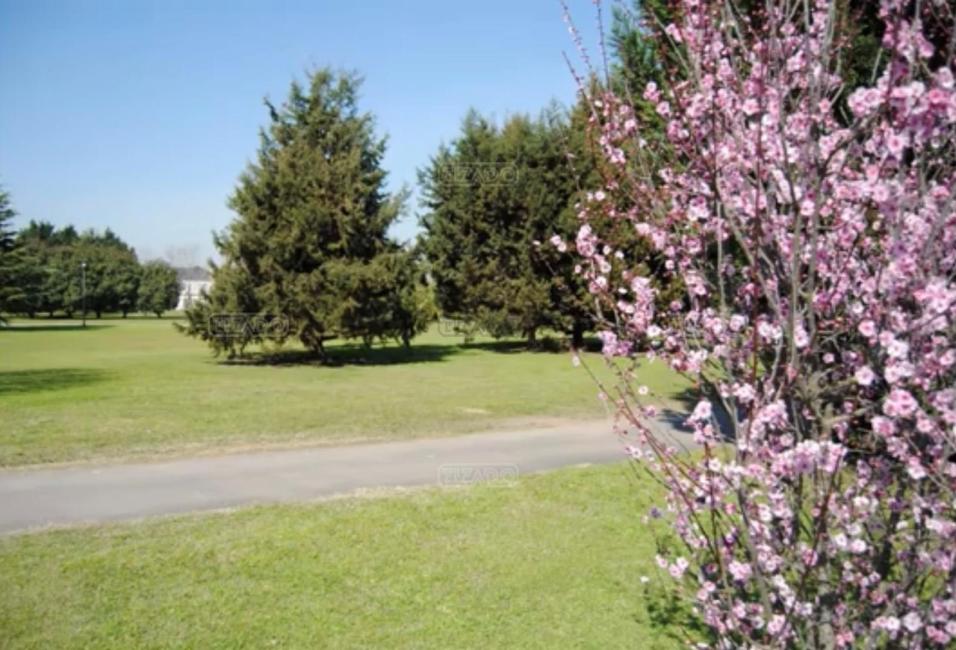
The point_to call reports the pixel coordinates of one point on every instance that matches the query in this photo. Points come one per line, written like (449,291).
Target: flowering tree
(815,234)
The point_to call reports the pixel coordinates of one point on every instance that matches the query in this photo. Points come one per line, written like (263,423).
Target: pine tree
(50,274)
(494,199)
(310,232)
(9,260)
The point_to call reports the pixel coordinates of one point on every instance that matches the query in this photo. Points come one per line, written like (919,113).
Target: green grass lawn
(553,562)
(136,388)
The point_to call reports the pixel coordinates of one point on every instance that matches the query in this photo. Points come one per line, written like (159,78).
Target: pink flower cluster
(818,253)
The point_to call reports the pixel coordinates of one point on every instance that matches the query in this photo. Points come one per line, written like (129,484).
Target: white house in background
(193,281)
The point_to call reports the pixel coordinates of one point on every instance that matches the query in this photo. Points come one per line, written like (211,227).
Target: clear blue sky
(140,115)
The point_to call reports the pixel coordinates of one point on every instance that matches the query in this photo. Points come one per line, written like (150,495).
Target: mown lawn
(136,388)
(554,562)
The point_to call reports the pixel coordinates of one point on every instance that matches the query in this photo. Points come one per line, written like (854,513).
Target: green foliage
(637,59)
(46,233)
(494,198)
(112,274)
(488,236)
(49,271)
(158,288)
(9,260)
(7,213)
(309,244)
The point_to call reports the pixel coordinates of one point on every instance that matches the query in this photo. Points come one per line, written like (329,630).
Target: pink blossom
(897,371)
(776,624)
(915,469)
(899,403)
(883,426)
(739,570)
(888,623)
(864,376)
(857,546)
(769,331)
(897,349)
(744,392)
(912,622)
(816,255)
(702,412)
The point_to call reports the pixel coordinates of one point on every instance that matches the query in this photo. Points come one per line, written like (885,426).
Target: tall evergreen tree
(493,200)
(453,232)
(310,232)
(7,213)
(574,166)
(48,275)
(9,260)
(44,232)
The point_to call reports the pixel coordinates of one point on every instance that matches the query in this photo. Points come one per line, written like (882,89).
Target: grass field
(554,562)
(135,388)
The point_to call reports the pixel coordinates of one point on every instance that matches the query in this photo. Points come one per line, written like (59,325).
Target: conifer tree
(9,260)
(494,199)
(309,244)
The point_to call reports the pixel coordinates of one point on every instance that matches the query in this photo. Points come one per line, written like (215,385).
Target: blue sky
(140,115)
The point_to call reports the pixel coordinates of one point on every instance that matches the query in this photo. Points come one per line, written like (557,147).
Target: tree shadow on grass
(348,355)
(673,616)
(20,382)
(547,345)
(21,328)
(356,354)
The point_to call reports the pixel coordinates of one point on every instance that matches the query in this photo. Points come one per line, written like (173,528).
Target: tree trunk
(532,335)
(577,336)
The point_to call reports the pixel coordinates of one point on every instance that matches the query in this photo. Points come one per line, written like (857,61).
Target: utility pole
(83,289)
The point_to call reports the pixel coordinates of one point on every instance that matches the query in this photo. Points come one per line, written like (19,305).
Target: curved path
(37,498)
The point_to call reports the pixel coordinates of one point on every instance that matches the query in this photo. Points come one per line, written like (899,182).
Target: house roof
(193,273)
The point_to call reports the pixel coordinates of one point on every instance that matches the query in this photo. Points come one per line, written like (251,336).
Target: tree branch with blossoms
(812,228)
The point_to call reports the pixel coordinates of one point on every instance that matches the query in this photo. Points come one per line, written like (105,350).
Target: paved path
(97,493)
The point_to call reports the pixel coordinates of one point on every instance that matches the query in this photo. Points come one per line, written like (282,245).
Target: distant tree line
(41,272)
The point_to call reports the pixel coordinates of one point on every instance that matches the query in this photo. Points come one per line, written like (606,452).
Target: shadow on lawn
(16,382)
(349,355)
(66,327)
(672,615)
(548,344)
(359,355)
